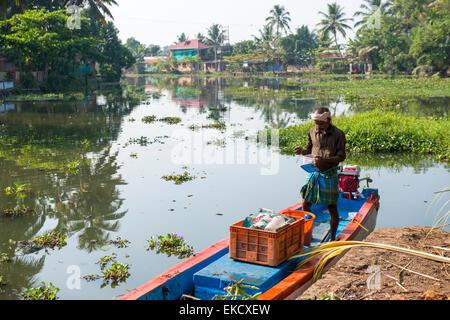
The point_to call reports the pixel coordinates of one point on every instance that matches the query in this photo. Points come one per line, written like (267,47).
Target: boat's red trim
(300,277)
(278,292)
(179,268)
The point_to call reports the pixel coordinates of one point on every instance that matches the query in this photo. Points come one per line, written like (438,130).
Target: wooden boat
(206,274)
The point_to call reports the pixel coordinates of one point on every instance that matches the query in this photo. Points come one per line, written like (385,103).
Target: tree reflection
(37,142)
(92,206)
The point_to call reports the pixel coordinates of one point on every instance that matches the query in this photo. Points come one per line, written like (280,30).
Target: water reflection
(66,153)
(277,111)
(91,204)
(62,152)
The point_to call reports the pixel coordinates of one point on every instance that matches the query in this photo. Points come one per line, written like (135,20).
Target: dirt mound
(421,279)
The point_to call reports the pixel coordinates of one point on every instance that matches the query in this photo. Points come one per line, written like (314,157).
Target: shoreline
(421,279)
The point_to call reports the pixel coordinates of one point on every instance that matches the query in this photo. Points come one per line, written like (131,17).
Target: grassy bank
(70,96)
(378,131)
(397,87)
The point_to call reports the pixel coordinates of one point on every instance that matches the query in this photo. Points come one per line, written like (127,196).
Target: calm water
(115,188)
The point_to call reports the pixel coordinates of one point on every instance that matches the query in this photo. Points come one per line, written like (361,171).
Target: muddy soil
(422,279)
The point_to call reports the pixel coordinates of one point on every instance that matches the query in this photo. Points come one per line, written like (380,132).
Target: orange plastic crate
(266,247)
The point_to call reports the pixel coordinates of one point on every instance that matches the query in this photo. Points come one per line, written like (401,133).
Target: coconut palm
(369,9)
(265,34)
(214,38)
(334,22)
(280,19)
(182,37)
(99,7)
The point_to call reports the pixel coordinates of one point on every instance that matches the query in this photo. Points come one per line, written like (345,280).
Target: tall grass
(380,131)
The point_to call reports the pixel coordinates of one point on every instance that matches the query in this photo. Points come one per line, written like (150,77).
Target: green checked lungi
(322,187)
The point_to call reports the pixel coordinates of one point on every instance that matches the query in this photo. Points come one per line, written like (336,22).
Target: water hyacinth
(49,240)
(379,131)
(171,244)
(115,274)
(44,292)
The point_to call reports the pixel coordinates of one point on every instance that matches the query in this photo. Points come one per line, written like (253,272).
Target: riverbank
(380,131)
(421,279)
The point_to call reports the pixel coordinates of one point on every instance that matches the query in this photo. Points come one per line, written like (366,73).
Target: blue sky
(160,22)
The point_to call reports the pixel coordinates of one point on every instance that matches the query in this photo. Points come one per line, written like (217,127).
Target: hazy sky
(160,22)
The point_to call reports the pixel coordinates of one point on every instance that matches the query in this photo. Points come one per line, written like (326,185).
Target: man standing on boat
(327,144)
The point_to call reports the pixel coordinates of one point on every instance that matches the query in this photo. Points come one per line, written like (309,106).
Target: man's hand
(318,162)
(298,150)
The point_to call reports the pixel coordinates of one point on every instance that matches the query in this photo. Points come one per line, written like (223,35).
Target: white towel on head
(321,117)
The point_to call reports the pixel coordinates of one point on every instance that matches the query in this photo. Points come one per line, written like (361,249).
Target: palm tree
(98,7)
(370,9)
(214,38)
(280,18)
(265,34)
(334,22)
(182,37)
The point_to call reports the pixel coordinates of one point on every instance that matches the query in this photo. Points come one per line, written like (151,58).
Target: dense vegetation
(380,131)
(395,36)
(40,40)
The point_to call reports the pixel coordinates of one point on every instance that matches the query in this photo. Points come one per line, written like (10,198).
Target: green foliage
(17,190)
(49,240)
(149,119)
(300,46)
(380,131)
(4,258)
(409,37)
(171,244)
(171,120)
(73,167)
(236,291)
(18,212)
(119,242)
(244,47)
(179,178)
(44,292)
(215,125)
(115,274)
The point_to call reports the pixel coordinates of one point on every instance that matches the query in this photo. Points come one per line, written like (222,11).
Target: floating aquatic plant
(215,125)
(119,242)
(236,291)
(48,241)
(73,167)
(17,190)
(4,258)
(44,292)
(179,178)
(17,212)
(116,273)
(142,141)
(171,120)
(171,244)
(149,119)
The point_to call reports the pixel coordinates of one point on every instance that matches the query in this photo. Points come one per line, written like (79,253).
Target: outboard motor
(349,181)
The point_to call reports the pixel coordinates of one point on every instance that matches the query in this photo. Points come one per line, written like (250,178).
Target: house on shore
(189,49)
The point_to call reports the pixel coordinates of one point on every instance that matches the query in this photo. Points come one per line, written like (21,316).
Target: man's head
(322,118)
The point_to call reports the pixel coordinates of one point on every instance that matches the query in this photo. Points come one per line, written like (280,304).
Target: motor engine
(349,181)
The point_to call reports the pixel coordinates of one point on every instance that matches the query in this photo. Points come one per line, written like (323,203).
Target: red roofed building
(188,48)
